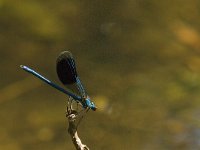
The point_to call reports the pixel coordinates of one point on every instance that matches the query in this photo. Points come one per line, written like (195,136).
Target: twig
(72,130)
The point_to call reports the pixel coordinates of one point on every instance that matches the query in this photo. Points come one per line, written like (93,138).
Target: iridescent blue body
(67,74)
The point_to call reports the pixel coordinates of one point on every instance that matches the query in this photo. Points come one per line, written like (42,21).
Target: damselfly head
(89,103)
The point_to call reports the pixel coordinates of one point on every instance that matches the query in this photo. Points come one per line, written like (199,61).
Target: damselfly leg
(74,108)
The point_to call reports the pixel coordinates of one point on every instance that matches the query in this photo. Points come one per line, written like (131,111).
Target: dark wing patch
(66,68)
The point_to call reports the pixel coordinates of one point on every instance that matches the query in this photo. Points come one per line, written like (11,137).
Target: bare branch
(72,130)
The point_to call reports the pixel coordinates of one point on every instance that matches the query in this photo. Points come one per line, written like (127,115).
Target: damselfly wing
(66,71)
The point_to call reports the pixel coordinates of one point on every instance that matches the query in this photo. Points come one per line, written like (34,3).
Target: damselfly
(66,71)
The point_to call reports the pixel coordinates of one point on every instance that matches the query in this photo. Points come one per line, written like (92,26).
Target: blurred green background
(139,61)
